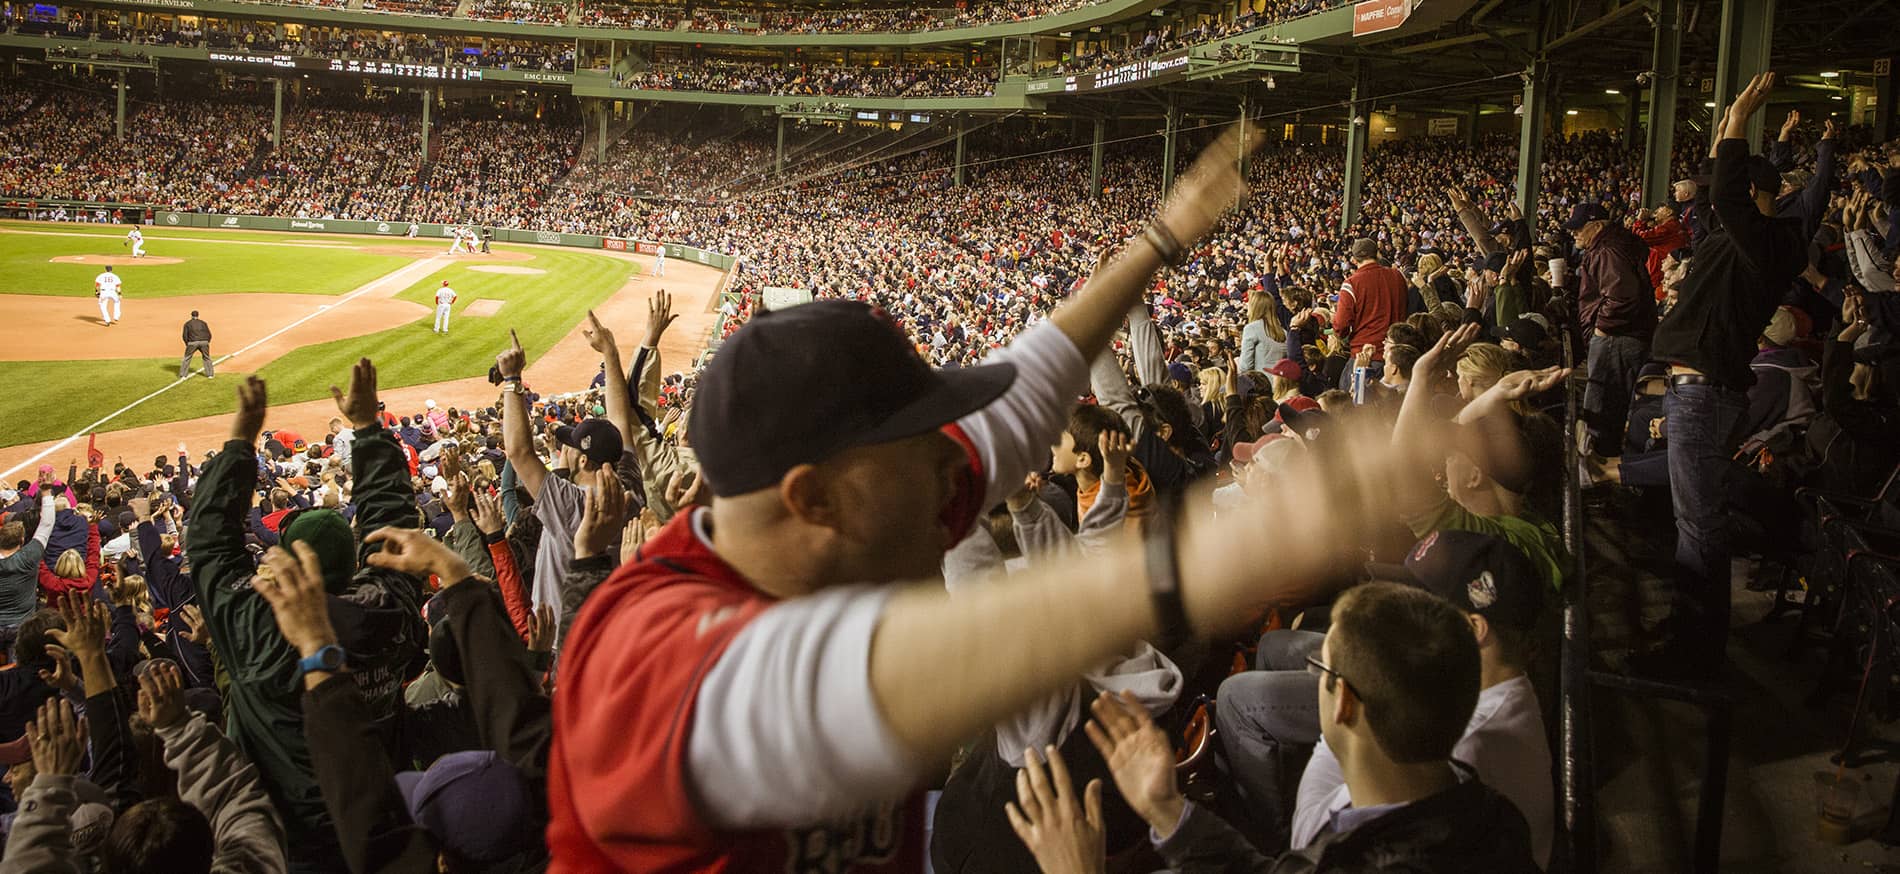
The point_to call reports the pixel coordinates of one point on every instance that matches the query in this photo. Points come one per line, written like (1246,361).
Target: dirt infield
(48,328)
(504,268)
(432,251)
(567,367)
(482,308)
(114,260)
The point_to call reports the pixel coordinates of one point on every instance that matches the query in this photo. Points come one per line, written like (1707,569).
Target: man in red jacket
(1372,299)
(1616,313)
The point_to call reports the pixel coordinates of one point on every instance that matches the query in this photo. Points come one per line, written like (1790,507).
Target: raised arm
(214,536)
(382,495)
(517,433)
(214,777)
(1731,199)
(619,408)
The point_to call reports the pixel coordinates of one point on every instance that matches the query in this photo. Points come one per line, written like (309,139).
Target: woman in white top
(1263,340)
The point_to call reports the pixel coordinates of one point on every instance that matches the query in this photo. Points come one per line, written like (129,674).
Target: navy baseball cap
(1477,573)
(474,802)
(1585,213)
(597,439)
(799,385)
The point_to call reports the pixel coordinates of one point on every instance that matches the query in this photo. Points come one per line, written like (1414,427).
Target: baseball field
(296,309)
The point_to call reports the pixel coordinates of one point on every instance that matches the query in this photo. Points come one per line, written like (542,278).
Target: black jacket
(1466,828)
(196,331)
(1740,274)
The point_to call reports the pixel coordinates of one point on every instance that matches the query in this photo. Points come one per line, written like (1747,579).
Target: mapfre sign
(1379,16)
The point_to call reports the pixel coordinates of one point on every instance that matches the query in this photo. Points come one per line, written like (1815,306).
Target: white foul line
(420,269)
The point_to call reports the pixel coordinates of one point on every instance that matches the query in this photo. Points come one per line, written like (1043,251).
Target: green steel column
(119,115)
(1666,61)
(1095,157)
(1357,124)
(1747,34)
(428,97)
(1168,135)
(1471,124)
(277,113)
(960,132)
(1244,161)
(1530,137)
(600,145)
(778,158)
(1883,103)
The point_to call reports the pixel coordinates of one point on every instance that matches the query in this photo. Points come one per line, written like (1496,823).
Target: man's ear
(1345,703)
(1164,431)
(1480,628)
(806,495)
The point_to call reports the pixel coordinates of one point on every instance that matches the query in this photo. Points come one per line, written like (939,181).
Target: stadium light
(1830,74)
(1611,91)
(1835,97)
(1570,112)
(1710,104)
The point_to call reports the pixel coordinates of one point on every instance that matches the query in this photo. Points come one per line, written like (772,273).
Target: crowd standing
(659,622)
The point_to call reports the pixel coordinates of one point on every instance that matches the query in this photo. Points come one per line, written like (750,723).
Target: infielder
(659,263)
(444,298)
(137,239)
(414,229)
(105,286)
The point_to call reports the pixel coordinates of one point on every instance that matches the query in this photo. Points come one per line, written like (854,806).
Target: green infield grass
(70,395)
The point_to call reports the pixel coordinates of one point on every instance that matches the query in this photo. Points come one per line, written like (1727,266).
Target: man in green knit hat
(377,612)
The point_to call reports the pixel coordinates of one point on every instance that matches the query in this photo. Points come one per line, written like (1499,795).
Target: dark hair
(194,314)
(12,535)
(1405,334)
(1411,659)
(1299,297)
(1087,422)
(29,648)
(1166,405)
(1402,359)
(160,836)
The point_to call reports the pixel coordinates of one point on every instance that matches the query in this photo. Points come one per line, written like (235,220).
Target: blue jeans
(1614,362)
(1268,721)
(1703,430)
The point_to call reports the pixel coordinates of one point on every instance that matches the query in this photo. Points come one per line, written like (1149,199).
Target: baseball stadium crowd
(650,617)
(520,11)
(739,77)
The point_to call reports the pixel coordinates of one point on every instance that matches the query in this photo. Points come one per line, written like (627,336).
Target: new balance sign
(1378,16)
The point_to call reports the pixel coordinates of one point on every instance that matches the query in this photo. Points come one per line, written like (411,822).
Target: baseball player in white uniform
(137,239)
(444,298)
(106,287)
(659,263)
(414,229)
(455,248)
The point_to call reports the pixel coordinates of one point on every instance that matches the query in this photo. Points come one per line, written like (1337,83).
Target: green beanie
(328,533)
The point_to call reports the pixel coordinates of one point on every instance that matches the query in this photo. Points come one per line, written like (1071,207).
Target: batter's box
(482,307)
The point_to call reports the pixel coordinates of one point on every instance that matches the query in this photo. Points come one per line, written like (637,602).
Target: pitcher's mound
(504,268)
(114,260)
(483,307)
(432,251)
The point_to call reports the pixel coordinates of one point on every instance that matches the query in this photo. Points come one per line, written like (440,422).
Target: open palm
(1138,756)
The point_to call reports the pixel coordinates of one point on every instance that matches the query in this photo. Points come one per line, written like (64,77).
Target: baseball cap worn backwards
(1478,573)
(799,385)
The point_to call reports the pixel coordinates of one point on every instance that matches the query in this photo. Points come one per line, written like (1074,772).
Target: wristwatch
(329,659)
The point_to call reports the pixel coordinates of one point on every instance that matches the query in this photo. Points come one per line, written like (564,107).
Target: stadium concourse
(1432,472)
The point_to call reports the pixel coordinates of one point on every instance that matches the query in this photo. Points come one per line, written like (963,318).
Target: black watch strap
(1164,586)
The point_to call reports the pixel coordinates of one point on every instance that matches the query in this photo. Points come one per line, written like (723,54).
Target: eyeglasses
(1320,669)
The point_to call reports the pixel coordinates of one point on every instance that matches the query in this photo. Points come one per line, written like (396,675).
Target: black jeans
(1614,362)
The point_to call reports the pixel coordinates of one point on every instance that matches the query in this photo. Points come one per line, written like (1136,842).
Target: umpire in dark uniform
(197,339)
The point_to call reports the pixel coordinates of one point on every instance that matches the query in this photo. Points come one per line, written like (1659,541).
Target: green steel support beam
(1168,136)
(1747,34)
(277,112)
(601,117)
(1356,130)
(778,157)
(428,98)
(118,117)
(1666,61)
(960,132)
(1471,124)
(1883,103)
(1095,158)
(1530,136)
(1245,162)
